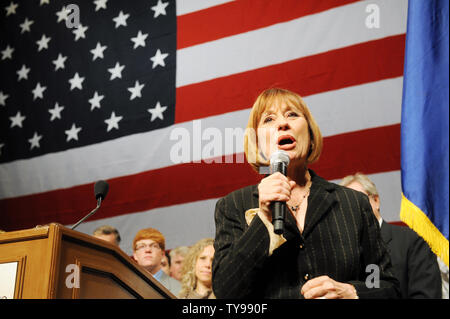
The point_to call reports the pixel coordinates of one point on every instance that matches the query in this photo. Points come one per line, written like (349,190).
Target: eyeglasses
(152,246)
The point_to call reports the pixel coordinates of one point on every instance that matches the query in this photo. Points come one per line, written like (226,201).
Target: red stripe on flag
(373,151)
(368,151)
(245,15)
(358,64)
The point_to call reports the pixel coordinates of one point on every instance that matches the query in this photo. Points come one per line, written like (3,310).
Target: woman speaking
(331,245)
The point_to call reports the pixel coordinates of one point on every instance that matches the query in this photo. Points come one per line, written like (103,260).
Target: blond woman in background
(196,280)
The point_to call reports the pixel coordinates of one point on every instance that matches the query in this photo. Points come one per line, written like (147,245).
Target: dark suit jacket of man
(414,263)
(340,239)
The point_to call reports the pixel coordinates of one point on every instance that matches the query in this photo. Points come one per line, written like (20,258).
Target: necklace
(296,207)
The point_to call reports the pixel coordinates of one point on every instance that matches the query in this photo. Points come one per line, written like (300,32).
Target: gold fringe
(419,222)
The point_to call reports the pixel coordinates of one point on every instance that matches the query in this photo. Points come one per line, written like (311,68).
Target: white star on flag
(139,40)
(158,59)
(3,98)
(136,90)
(62,14)
(100,4)
(113,122)
(56,112)
(98,51)
(17,120)
(116,71)
(80,32)
(160,8)
(76,82)
(35,140)
(157,112)
(25,26)
(44,2)
(11,9)
(59,62)
(121,19)
(43,42)
(38,91)
(95,100)
(7,53)
(72,134)
(23,73)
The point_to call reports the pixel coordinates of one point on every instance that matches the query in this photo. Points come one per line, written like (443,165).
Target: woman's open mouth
(286,142)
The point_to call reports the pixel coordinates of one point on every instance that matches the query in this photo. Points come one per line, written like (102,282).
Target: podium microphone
(279,162)
(100,190)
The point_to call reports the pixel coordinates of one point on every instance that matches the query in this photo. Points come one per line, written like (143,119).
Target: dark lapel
(386,232)
(322,197)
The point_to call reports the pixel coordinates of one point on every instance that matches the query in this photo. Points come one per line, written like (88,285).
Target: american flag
(153,96)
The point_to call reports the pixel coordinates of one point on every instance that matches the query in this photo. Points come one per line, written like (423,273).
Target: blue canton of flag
(64,86)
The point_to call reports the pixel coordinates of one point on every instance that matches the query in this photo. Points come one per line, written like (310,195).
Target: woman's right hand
(275,187)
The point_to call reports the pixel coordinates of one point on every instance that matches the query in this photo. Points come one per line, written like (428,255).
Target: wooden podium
(56,262)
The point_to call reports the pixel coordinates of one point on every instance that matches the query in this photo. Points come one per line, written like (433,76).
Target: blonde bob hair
(189,279)
(265,100)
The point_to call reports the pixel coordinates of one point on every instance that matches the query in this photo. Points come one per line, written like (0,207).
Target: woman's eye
(292,114)
(267,119)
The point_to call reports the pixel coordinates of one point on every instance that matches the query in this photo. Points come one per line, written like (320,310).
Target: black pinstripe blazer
(340,238)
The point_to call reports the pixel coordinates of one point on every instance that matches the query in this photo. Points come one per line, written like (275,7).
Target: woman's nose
(282,123)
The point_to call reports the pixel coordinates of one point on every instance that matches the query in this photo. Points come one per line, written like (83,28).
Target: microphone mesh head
(101,189)
(279,156)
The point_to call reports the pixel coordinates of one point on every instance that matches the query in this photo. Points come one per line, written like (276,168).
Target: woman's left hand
(324,287)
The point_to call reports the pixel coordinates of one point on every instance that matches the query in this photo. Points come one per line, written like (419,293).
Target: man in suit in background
(108,233)
(177,256)
(415,265)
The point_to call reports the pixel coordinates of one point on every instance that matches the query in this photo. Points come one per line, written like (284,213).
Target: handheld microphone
(279,162)
(100,191)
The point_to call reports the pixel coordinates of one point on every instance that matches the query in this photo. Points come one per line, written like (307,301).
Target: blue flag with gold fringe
(424,124)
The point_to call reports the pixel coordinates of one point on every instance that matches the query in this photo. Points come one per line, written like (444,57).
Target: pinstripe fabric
(341,236)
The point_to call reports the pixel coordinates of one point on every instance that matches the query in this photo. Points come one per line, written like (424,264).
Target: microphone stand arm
(99,202)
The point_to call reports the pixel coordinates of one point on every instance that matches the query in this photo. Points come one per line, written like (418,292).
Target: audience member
(415,265)
(197,271)
(148,251)
(177,256)
(165,263)
(108,233)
